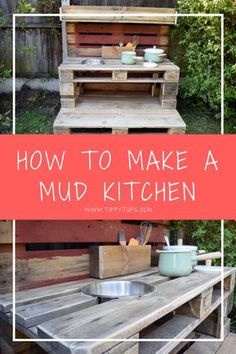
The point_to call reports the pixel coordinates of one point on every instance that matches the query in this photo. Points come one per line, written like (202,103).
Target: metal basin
(93,61)
(114,289)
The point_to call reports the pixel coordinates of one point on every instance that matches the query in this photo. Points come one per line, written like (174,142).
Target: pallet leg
(176,130)
(119,131)
(198,306)
(61,131)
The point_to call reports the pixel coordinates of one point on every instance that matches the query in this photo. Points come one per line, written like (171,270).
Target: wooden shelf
(142,15)
(75,64)
(178,327)
(143,80)
(119,112)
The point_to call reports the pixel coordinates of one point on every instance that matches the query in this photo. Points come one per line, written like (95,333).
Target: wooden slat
(178,327)
(5,272)
(5,232)
(111,261)
(117,28)
(118,14)
(52,291)
(115,64)
(34,314)
(35,270)
(123,318)
(107,80)
(99,39)
(118,112)
(78,231)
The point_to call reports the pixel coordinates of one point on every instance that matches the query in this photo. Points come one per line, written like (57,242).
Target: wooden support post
(61,131)
(66,75)
(198,306)
(119,75)
(68,89)
(120,131)
(171,76)
(176,131)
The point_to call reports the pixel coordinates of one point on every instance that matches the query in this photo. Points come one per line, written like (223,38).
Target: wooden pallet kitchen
(111,97)
(175,309)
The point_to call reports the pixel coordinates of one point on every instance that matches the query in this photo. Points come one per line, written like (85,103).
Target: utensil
(145,232)
(135,41)
(121,237)
(167,241)
(113,289)
(133,242)
(121,43)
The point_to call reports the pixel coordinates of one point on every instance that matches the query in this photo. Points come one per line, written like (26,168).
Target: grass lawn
(198,118)
(37,109)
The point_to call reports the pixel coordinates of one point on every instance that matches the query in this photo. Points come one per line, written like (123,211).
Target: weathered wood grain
(111,261)
(122,318)
(79,231)
(32,314)
(119,112)
(5,232)
(172,70)
(118,14)
(66,288)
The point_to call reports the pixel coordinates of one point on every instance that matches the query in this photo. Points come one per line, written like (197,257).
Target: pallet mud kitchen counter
(173,309)
(102,94)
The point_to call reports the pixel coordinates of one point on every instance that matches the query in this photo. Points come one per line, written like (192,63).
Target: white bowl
(149,64)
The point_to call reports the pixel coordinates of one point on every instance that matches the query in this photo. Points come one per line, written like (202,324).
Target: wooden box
(111,261)
(114,52)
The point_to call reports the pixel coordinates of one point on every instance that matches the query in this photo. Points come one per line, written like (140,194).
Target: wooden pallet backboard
(42,266)
(88,38)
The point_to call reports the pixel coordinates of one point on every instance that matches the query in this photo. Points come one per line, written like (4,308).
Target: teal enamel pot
(192,249)
(175,263)
(128,58)
(155,55)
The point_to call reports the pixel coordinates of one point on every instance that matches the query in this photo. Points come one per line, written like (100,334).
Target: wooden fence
(38,40)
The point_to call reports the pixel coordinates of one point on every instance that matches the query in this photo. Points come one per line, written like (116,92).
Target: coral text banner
(117,177)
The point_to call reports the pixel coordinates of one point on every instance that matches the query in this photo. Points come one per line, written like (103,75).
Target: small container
(128,58)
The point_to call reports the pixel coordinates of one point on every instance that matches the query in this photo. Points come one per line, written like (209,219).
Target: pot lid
(154,50)
(173,251)
(181,248)
(129,52)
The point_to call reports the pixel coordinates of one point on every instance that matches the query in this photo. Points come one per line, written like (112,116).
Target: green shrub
(199,54)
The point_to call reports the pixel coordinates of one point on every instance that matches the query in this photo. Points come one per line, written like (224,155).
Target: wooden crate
(111,261)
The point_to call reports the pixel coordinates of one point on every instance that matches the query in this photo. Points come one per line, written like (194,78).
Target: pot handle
(206,256)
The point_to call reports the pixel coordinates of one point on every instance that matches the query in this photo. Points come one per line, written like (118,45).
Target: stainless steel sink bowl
(114,289)
(93,61)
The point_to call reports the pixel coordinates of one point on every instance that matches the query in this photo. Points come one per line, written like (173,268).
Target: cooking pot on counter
(192,249)
(180,262)
(154,54)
